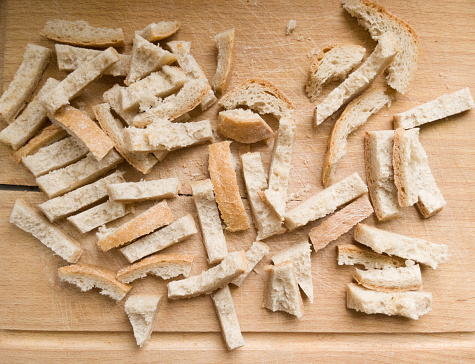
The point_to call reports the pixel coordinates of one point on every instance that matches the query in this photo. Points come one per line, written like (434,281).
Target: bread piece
(380,174)
(146,58)
(412,176)
(419,250)
(276,194)
(291,25)
(27,77)
(30,220)
(299,253)
(115,130)
(160,30)
(80,33)
(224,306)
(441,107)
(254,255)
(30,120)
(333,63)
(340,223)
(407,304)
(48,135)
(142,310)
(143,190)
(226,190)
(379,21)
(148,221)
(54,156)
(243,126)
(112,97)
(181,229)
(76,200)
(258,95)
(355,114)
(78,174)
(267,222)
(87,276)
(210,280)
(225,44)
(84,130)
(382,56)
(98,215)
(208,214)
(406,278)
(350,254)
(282,291)
(166,266)
(78,80)
(326,201)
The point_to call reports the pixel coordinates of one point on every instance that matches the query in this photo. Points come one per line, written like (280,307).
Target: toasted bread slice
(350,254)
(225,44)
(160,30)
(143,190)
(142,310)
(243,126)
(254,255)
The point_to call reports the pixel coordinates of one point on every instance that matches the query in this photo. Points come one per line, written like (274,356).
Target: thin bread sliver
(254,255)
(143,190)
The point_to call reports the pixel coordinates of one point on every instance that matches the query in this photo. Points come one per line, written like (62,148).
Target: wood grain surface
(41,318)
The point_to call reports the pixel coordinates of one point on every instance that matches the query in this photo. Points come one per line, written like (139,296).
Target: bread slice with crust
(350,254)
(254,255)
(355,115)
(87,276)
(412,176)
(225,44)
(142,310)
(243,126)
(333,63)
(377,20)
(143,190)
(160,30)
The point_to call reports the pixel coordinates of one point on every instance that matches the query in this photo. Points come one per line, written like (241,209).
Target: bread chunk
(243,126)
(254,255)
(142,310)
(160,30)
(143,190)
(350,254)
(225,44)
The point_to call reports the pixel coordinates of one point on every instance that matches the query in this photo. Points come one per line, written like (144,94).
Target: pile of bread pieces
(147,117)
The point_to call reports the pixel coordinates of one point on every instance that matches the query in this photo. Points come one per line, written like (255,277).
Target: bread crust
(154,32)
(225,43)
(237,124)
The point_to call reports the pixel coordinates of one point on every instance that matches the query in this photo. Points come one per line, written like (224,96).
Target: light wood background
(41,318)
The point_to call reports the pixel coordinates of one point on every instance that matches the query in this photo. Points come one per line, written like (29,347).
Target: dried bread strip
(225,44)
(177,231)
(224,306)
(380,174)
(355,115)
(76,81)
(384,53)
(254,255)
(276,194)
(25,80)
(441,107)
(160,30)
(407,304)
(148,221)
(30,220)
(70,58)
(115,130)
(350,254)
(299,253)
(54,156)
(326,201)
(211,227)
(208,100)
(243,126)
(340,223)
(81,33)
(210,280)
(98,215)
(80,198)
(226,190)
(84,130)
(30,120)
(87,276)
(412,175)
(166,266)
(419,250)
(143,190)
(142,310)
(267,222)
(78,174)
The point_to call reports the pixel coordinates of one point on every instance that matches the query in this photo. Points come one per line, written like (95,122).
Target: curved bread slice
(160,30)
(86,277)
(30,220)
(225,44)
(142,310)
(143,190)
(211,280)
(407,304)
(350,254)
(333,63)
(377,21)
(166,266)
(355,115)
(258,95)
(243,126)
(254,255)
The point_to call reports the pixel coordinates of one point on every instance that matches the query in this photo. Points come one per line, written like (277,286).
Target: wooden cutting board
(44,320)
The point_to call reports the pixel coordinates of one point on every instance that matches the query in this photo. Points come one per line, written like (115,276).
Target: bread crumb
(443,75)
(290,27)
(300,38)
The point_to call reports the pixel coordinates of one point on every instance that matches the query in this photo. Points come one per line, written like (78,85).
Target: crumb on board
(290,27)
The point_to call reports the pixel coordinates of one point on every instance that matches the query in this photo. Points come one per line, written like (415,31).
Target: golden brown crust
(225,186)
(243,128)
(380,288)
